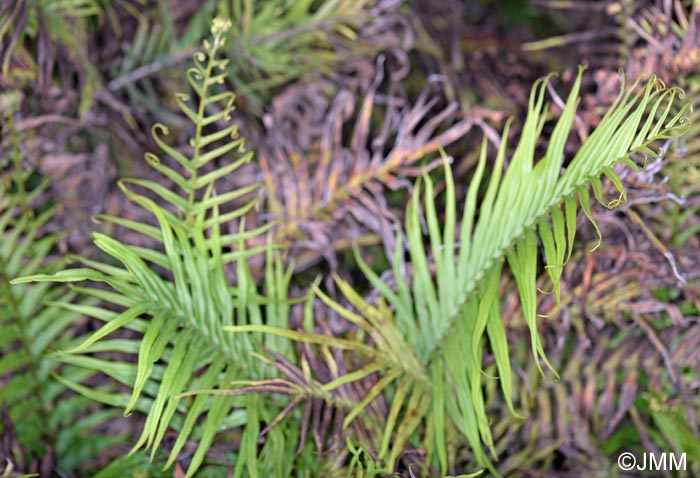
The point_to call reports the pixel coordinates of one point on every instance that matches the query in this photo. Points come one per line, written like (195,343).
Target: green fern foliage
(179,314)
(427,337)
(44,427)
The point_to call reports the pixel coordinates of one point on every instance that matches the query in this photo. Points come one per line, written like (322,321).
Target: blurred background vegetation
(320,83)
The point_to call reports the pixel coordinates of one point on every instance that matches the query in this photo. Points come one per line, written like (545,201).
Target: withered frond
(329,159)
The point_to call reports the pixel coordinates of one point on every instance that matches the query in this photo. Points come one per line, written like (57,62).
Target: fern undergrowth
(187,303)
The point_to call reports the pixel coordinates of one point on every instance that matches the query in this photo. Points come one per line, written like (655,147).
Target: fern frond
(515,212)
(328,187)
(180,317)
(445,319)
(64,437)
(526,205)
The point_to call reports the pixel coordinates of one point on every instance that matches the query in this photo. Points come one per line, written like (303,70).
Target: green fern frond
(50,426)
(183,345)
(517,211)
(443,319)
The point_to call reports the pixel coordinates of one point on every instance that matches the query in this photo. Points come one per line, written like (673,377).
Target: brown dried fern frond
(329,158)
